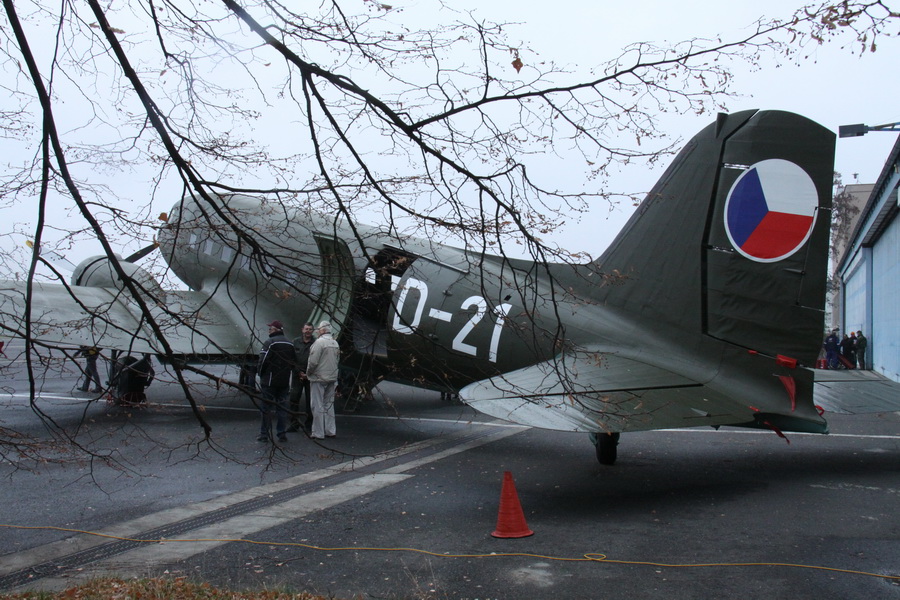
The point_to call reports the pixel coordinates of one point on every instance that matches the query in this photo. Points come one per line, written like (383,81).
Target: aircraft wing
(855,391)
(601,391)
(104,317)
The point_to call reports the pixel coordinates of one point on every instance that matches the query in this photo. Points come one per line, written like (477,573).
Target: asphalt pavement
(402,504)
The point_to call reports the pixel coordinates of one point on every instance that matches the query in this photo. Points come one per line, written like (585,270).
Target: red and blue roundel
(770,210)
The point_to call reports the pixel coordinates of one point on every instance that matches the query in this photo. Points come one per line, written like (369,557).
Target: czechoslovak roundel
(771,210)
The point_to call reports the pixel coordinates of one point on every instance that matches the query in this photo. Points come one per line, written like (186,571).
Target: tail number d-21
(476,305)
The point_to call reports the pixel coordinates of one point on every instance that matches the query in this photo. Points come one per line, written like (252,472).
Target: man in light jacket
(322,372)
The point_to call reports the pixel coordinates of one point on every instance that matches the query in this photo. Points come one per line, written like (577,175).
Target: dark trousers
(275,399)
(300,388)
(91,374)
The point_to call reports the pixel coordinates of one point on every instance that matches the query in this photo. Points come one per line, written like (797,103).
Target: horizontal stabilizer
(594,392)
(855,391)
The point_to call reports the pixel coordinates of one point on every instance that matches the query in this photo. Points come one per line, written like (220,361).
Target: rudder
(766,256)
(733,239)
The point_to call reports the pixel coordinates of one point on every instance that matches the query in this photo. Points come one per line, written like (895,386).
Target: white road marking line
(237,527)
(242,526)
(861,436)
(41,396)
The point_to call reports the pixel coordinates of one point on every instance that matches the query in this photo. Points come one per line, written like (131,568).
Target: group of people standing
(306,367)
(849,352)
(287,370)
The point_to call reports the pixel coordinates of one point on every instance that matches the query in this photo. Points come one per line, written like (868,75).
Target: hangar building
(869,273)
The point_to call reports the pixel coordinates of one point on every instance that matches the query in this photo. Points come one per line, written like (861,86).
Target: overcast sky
(833,86)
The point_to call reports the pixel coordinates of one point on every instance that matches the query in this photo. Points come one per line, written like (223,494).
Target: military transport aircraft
(707,309)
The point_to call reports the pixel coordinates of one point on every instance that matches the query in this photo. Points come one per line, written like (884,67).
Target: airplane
(706,310)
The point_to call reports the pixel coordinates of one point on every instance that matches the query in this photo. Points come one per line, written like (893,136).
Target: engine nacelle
(98,271)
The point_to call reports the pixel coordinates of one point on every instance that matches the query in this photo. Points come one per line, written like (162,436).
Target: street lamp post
(860,129)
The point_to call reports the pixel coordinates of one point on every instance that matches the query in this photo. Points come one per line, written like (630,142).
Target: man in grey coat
(322,372)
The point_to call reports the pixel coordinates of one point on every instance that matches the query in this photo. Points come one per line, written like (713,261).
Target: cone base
(514,534)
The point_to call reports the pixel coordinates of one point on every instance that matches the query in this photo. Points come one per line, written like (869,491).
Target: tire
(607,448)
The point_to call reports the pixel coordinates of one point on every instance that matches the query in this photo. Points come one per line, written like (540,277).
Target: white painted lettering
(480,309)
(422,289)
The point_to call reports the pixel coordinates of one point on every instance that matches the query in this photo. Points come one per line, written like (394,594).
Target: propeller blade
(53,257)
(142,252)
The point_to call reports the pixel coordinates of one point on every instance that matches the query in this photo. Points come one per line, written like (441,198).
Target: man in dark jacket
(300,386)
(832,344)
(276,363)
(861,344)
(848,354)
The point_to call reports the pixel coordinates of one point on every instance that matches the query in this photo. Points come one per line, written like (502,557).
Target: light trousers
(322,395)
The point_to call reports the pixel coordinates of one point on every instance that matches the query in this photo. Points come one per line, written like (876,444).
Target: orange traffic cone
(511,519)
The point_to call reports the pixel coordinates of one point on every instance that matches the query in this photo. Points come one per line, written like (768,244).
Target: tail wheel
(606,446)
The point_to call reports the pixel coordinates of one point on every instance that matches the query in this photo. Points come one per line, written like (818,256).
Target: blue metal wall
(884,341)
(870,273)
(856,295)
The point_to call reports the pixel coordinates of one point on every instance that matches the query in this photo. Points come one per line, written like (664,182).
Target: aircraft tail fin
(733,239)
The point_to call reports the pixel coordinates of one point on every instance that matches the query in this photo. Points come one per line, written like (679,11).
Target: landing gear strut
(606,444)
